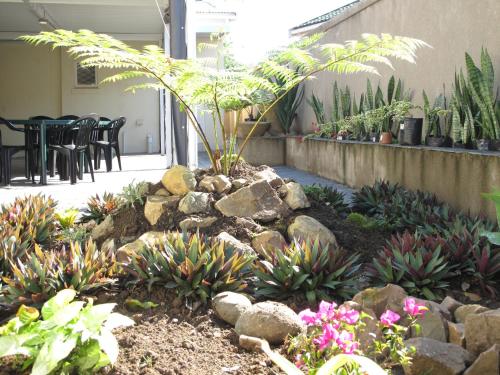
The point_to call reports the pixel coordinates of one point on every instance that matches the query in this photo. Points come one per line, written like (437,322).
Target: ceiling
(106,16)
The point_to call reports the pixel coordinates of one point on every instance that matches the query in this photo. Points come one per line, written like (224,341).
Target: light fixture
(43,21)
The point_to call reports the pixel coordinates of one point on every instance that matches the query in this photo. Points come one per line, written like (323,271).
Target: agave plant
(192,265)
(327,195)
(98,208)
(415,263)
(305,268)
(193,83)
(43,273)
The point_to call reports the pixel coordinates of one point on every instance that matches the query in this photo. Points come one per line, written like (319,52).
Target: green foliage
(309,269)
(193,83)
(98,208)
(414,262)
(369,199)
(134,193)
(76,234)
(326,195)
(436,122)
(494,237)
(364,221)
(192,265)
(286,108)
(318,108)
(69,336)
(67,218)
(41,274)
(486,268)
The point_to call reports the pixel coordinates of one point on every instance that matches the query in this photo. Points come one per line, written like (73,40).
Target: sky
(263,25)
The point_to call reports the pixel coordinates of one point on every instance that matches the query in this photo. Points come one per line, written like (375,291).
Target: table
(42,125)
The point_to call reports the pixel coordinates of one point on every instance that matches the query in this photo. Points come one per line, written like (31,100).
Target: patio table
(42,126)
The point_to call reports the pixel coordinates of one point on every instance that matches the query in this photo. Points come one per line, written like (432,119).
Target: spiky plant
(134,193)
(43,273)
(369,199)
(67,218)
(486,268)
(318,108)
(307,269)
(328,196)
(98,208)
(192,83)
(196,267)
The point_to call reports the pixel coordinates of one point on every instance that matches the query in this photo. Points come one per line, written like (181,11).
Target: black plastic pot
(439,141)
(412,131)
(483,144)
(495,145)
(460,145)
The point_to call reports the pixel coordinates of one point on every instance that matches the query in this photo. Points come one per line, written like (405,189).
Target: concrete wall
(451,27)
(265,150)
(39,81)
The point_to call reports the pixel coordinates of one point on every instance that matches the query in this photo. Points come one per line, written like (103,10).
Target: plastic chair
(108,146)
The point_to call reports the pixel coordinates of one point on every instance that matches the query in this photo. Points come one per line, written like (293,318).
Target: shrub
(69,337)
(134,193)
(98,208)
(308,269)
(77,234)
(67,218)
(370,199)
(416,263)
(192,265)
(364,221)
(327,195)
(486,268)
(43,273)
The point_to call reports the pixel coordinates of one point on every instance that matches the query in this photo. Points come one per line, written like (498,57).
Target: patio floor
(135,167)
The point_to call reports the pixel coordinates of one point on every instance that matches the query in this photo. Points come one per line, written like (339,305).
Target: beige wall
(451,27)
(39,81)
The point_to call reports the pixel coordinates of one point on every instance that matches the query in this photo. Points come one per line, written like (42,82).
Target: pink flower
(413,308)
(299,362)
(349,316)
(326,310)
(346,342)
(329,334)
(308,317)
(388,318)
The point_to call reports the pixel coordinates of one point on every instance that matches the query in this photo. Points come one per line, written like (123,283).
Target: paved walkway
(135,167)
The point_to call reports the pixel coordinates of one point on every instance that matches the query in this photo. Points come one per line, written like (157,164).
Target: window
(86,76)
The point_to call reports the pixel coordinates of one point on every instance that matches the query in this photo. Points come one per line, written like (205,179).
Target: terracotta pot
(245,127)
(386,138)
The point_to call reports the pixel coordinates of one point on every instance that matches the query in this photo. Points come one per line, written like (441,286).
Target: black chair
(81,134)
(8,151)
(99,145)
(68,117)
(32,138)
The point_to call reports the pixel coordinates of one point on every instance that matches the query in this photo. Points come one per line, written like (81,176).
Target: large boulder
(257,200)
(433,324)
(268,238)
(194,223)
(295,196)
(229,305)
(456,334)
(220,184)
(306,228)
(179,180)
(488,363)
(450,304)
(482,331)
(380,299)
(194,202)
(102,231)
(157,205)
(235,243)
(434,357)
(272,321)
(463,311)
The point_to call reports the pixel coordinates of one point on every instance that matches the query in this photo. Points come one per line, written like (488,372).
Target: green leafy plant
(328,196)
(67,218)
(318,108)
(415,263)
(134,193)
(98,208)
(486,268)
(369,199)
(192,83)
(192,265)
(286,108)
(69,336)
(309,269)
(76,234)
(44,273)
(437,119)
(364,221)
(494,237)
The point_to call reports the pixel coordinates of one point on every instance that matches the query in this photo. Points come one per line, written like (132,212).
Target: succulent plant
(194,266)
(328,196)
(67,218)
(416,263)
(98,208)
(305,268)
(369,199)
(134,193)
(43,273)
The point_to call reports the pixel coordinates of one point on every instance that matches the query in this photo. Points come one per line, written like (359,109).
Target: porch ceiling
(107,16)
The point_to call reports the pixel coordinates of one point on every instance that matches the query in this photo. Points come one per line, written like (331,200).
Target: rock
(268,239)
(482,331)
(249,224)
(103,230)
(194,202)
(220,184)
(109,246)
(434,357)
(239,182)
(151,238)
(456,334)
(295,196)
(462,312)
(179,180)
(162,192)
(269,175)
(125,253)
(306,228)
(370,332)
(257,200)
(488,363)
(193,223)
(433,324)
(252,344)
(230,305)
(237,244)
(380,299)
(157,205)
(272,321)
(450,304)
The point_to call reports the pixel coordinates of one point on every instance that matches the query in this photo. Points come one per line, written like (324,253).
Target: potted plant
(410,128)
(375,124)
(436,122)
(244,127)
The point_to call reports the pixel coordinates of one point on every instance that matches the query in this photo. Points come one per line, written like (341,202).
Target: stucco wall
(451,27)
(39,81)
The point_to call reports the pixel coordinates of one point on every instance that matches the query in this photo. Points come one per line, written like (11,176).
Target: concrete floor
(135,167)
